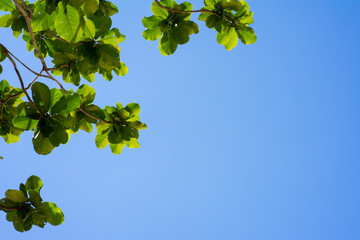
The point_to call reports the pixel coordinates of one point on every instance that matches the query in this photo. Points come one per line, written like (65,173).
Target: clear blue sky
(258,143)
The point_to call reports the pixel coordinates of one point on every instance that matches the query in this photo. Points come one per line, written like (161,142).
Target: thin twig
(61,39)
(55,69)
(28,23)
(26,66)
(182,11)
(16,95)
(96,118)
(28,8)
(20,78)
(54,79)
(11,209)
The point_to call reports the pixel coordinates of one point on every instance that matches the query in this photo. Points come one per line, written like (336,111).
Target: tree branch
(10,209)
(38,74)
(20,78)
(16,95)
(182,11)
(96,118)
(28,23)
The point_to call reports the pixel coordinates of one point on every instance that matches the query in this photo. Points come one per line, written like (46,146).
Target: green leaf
(152,34)
(90,7)
(89,29)
(109,57)
(212,20)
(246,35)
(111,8)
(10,215)
(41,95)
(186,6)
(115,137)
(133,143)
(67,104)
(121,70)
(56,95)
(35,199)
(38,218)
(102,25)
(41,20)
(5,20)
(15,196)
(138,125)
(167,45)
(87,94)
(151,22)
(229,39)
(117,148)
(18,224)
(101,141)
(34,183)
(113,37)
(11,138)
(52,213)
(158,11)
(179,35)
(42,144)
(67,22)
(7,5)
(189,26)
(133,108)
(25,123)
(63,58)
(234,5)
(59,136)
(210,3)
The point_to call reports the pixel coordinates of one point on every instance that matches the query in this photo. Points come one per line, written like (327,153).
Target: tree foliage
(25,207)
(78,37)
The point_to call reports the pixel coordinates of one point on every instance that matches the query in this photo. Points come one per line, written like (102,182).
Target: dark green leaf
(18,223)
(179,35)
(35,199)
(246,35)
(167,45)
(42,144)
(87,94)
(67,104)
(41,95)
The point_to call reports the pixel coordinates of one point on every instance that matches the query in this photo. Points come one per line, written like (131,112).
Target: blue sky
(261,142)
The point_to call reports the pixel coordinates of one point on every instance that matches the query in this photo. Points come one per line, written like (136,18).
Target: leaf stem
(10,209)
(96,118)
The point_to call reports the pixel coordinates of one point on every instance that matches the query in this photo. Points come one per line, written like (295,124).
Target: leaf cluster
(56,114)
(76,34)
(230,21)
(25,207)
(172,28)
(171,22)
